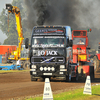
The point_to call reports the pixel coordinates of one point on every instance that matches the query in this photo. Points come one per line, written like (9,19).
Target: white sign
(47,95)
(78,51)
(87,88)
(43,53)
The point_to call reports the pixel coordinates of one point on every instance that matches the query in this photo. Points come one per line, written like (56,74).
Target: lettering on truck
(79,51)
(46,53)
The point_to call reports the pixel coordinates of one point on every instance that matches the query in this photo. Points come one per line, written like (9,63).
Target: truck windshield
(79,41)
(48,41)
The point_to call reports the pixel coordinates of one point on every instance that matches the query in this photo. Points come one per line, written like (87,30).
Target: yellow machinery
(17,54)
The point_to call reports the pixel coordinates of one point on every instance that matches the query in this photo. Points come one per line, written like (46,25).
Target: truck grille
(48,60)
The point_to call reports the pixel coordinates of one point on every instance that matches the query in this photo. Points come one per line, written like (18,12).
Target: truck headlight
(45,68)
(48,68)
(41,68)
(62,66)
(33,66)
(52,68)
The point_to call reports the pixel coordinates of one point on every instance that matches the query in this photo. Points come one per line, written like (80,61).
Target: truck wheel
(26,65)
(75,79)
(96,63)
(33,79)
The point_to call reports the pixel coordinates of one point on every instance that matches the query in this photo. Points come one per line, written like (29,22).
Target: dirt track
(18,85)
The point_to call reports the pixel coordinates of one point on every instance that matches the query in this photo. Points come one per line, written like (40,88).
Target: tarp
(9,67)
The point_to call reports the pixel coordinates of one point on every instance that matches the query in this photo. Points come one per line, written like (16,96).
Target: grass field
(75,95)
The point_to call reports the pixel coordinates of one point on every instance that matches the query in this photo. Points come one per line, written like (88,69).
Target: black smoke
(50,12)
(79,14)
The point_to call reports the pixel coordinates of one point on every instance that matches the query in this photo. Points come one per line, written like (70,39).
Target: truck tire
(33,79)
(75,79)
(96,63)
(68,76)
(26,65)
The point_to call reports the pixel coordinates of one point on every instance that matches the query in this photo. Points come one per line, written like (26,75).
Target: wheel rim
(27,66)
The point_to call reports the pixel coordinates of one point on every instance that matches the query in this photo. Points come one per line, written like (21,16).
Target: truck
(51,53)
(80,53)
(15,55)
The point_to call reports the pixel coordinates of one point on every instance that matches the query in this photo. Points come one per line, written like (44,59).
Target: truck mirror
(70,43)
(26,43)
(68,40)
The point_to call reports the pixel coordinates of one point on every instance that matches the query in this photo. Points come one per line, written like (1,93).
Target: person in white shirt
(80,42)
(18,63)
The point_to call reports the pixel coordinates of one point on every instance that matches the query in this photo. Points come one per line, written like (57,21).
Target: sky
(2,5)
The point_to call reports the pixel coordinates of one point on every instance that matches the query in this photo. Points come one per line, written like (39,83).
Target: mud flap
(74,72)
(92,73)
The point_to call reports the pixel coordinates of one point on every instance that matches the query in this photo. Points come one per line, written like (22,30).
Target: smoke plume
(79,14)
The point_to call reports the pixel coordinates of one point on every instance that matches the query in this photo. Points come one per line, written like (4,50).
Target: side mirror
(67,42)
(26,43)
(70,43)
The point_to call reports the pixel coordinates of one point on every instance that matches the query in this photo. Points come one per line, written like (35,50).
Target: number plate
(47,73)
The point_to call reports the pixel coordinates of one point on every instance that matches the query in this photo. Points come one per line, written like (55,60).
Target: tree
(11,39)
(12,33)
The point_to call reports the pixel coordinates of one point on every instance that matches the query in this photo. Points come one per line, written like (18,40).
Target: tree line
(8,24)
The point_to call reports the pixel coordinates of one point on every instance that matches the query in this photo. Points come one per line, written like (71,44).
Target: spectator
(80,42)
(18,63)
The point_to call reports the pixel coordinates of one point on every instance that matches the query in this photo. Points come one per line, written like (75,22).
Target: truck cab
(80,44)
(80,53)
(49,52)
